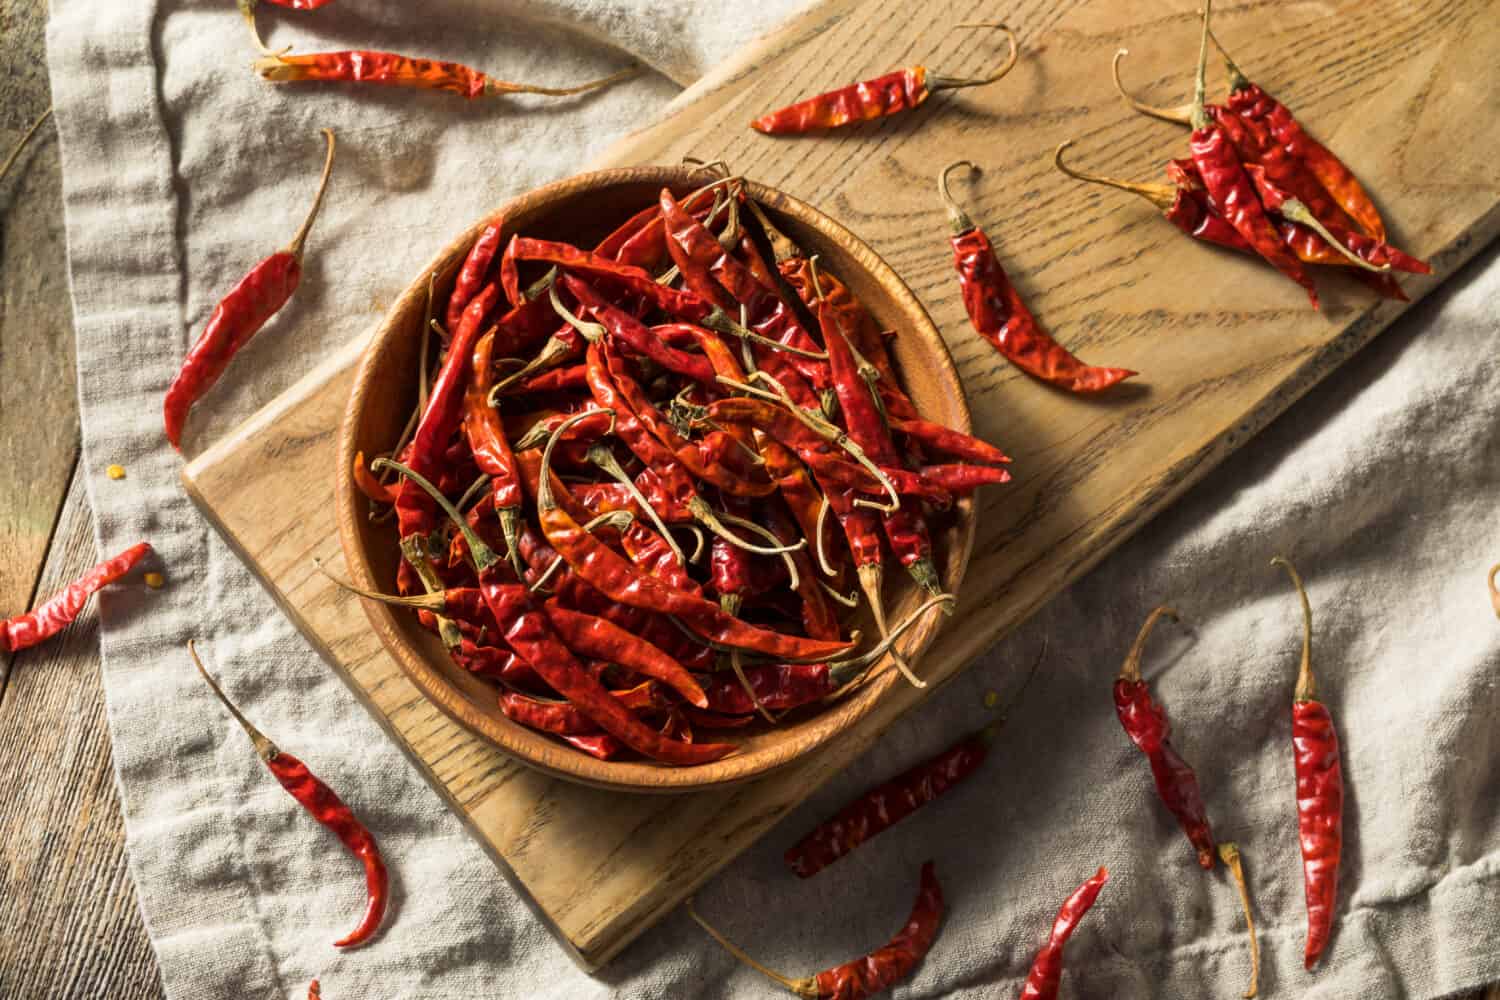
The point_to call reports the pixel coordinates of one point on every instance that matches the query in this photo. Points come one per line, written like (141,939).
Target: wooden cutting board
(1406,93)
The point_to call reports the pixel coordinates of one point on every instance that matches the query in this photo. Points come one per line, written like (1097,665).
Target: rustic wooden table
(69,924)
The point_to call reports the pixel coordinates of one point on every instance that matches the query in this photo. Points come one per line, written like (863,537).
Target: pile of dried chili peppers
(1257,182)
(646,483)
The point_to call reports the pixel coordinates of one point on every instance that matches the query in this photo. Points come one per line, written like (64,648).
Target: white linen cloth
(182,169)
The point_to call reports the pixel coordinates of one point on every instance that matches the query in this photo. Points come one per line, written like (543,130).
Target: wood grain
(38,406)
(1225,345)
(69,926)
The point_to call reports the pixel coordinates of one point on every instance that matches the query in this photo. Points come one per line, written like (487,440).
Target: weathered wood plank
(69,925)
(38,404)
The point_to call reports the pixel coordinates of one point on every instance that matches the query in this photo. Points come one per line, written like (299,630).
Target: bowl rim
(537,750)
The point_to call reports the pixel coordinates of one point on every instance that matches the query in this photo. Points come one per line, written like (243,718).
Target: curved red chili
(874,973)
(1145,722)
(58,612)
(1045,977)
(325,807)
(1320,790)
(998,315)
(489,447)
(900,90)
(239,317)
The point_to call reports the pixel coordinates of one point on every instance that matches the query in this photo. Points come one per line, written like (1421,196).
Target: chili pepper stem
(1307,685)
(1494,591)
(484,557)
(924,572)
(1180,115)
(1130,670)
(731,604)
(1237,79)
(552,352)
(1160,195)
(846,673)
(828,569)
(544,497)
(295,247)
(264,748)
(1200,117)
(411,550)
(871,579)
(600,455)
(1296,211)
(1230,854)
(710,519)
(958,219)
(937,83)
(801,987)
(493,87)
(15,152)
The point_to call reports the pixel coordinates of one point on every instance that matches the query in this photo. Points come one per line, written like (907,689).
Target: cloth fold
(181,169)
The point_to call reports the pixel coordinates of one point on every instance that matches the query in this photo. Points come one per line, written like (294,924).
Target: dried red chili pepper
(490,449)
(1320,790)
(473,272)
(900,90)
(599,639)
(962,480)
(239,317)
(948,441)
(891,801)
(324,806)
(998,314)
(1145,722)
(1187,209)
(1230,855)
(776,686)
(875,972)
(364,66)
(57,613)
(1229,188)
(614,576)
(1046,971)
(369,485)
(526,630)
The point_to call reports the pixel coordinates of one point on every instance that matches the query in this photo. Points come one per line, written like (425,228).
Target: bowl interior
(582,210)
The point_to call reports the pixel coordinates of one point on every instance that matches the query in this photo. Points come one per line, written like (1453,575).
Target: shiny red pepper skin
(998,314)
(885,805)
(1320,790)
(888,965)
(365,66)
(1046,971)
(778,686)
(529,634)
(1233,197)
(328,809)
(1253,103)
(1320,812)
(237,318)
(900,90)
(1145,722)
(472,274)
(26,630)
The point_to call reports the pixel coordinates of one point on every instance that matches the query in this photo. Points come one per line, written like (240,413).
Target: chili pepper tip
(1495,593)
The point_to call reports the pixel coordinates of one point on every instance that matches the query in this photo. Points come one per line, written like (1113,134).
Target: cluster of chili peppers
(669,385)
(1257,182)
(364,66)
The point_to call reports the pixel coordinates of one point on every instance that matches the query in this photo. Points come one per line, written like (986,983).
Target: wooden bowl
(582,210)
